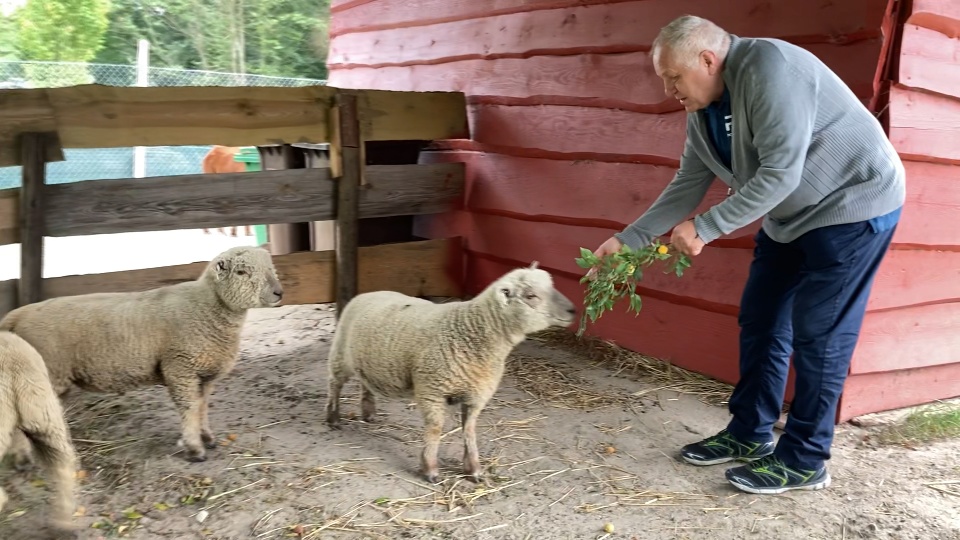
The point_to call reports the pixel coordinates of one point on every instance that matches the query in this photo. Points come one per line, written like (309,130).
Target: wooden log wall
(912,353)
(573,137)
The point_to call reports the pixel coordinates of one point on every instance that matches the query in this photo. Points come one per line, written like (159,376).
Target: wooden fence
(352,190)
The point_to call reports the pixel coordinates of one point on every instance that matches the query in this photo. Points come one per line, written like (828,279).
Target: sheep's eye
(241,272)
(530,296)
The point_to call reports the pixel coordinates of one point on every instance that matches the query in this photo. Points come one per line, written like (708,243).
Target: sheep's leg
(368,403)
(433,412)
(206,434)
(337,376)
(21,450)
(471,456)
(53,447)
(187,398)
(6,431)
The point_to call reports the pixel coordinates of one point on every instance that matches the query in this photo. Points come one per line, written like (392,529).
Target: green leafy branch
(616,276)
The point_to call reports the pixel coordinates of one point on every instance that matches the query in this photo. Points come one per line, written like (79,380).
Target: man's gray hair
(687,36)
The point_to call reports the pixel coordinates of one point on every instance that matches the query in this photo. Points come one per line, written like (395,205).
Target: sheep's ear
(534,265)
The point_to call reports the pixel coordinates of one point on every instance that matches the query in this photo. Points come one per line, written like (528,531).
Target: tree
(60,31)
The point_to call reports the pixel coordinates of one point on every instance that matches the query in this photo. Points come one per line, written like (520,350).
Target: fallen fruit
(608,528)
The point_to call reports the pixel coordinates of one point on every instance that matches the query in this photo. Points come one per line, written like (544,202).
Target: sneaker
(724,447)
(771,476)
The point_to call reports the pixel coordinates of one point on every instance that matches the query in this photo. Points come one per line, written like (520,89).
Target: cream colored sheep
(184,336)
(29,406)
(440,354)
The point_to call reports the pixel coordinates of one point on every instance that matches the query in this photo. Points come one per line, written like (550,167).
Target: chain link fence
(110,163)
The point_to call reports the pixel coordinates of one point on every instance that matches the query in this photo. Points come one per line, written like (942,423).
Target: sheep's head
(244,278)
(528,297)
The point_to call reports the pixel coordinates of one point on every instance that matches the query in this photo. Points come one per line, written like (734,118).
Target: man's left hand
(684,239)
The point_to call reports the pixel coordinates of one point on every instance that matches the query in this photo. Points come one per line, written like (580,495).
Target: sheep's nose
(278,293)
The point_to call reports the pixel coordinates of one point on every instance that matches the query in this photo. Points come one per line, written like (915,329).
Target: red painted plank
(940,15)
(588,193)
(924,127)
(876,392)
(716,280)
(365,15)
(623,27)
(932,207)
(930,60)
(624,81)
(652,138)
(910,337)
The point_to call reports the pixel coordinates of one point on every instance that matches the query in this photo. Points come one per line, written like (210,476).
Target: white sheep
(183,336)
(440,354)
(30,407)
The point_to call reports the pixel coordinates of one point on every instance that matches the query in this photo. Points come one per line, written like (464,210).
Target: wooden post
(33,152)
(349,166)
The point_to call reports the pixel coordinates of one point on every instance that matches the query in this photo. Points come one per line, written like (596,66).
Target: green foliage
(61,30)
(616,276)
(285,38)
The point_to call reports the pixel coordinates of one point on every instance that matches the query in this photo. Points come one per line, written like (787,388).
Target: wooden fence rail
(36,124)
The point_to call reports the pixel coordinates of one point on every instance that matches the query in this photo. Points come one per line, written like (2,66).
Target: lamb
(440,354)
(183,336)
(30,407)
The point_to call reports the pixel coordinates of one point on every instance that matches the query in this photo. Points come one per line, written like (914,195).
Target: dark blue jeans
(805,298)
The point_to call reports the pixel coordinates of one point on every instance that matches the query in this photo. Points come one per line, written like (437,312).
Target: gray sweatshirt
(805,152)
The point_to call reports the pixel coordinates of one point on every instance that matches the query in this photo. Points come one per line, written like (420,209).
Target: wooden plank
(623,81)
(348,185)
(392,115)
(876,392)
(585,193)
(923,127)
(8,296)
(647,138)
(930,60)
(33,147)
(718,275)
(933,199)
(940,15)
(95,116)
(227,199)
(612,28)
(9,216)
(910,337)
(423,268)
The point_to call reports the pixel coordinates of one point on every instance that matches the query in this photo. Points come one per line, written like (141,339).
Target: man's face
(695,87)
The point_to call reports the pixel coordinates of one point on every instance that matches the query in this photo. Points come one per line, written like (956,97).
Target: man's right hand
(611,246)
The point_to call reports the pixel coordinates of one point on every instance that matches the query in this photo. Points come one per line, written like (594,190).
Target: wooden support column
(347,170)
(33,159)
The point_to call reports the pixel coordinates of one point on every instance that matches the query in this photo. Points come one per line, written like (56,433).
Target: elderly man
(798,149)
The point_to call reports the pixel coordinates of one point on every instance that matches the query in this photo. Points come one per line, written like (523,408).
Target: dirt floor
(568,445)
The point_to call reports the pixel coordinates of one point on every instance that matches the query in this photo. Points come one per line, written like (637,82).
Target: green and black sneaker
(724,447)
(771,476)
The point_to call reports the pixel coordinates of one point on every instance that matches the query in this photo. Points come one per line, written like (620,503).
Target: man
(798,149)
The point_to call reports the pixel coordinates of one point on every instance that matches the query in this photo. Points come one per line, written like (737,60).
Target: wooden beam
(33,147)
(348,184)
(96,116)
(229,199)
(424,268)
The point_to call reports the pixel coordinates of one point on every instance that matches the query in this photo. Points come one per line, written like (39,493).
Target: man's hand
(611,246)
(684,239)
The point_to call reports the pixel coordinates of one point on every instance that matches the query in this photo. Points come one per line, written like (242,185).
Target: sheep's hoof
(196,457)
(333,420)
(476,477)
(63,530)
(208,440)
(432,476)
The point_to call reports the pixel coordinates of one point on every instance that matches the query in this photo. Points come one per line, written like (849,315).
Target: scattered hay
(663,374)
(933,422)
(547,383)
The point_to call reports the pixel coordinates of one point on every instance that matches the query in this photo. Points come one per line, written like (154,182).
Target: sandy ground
(568,448)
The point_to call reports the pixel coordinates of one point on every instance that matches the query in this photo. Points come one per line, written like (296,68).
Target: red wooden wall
(572,138)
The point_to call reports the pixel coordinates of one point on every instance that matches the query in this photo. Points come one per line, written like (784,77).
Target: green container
(250,157)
